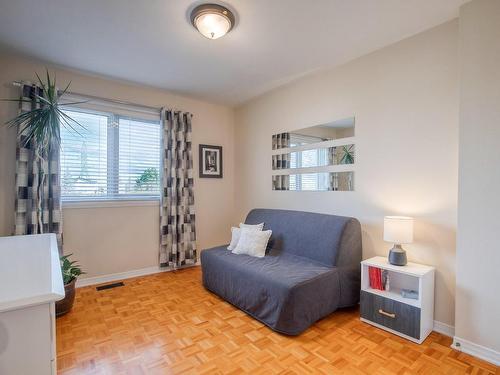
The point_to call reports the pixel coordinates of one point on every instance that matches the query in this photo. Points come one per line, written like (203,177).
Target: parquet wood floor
(169,324)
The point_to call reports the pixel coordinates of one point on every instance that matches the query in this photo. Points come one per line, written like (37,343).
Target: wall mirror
(315,134)
(318,181)
(317,158)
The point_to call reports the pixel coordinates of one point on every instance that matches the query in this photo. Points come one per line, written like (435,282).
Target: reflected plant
(348,155)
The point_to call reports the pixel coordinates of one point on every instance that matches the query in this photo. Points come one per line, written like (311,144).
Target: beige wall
(478,249)
(405,99)
(109,240)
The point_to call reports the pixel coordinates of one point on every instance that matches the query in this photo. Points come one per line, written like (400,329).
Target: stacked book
(378,279)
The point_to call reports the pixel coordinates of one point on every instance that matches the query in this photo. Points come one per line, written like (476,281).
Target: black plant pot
(65,305)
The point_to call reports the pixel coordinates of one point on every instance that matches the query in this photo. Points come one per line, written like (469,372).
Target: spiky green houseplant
(40,128)
(347,155)
(70,272)
(70,269)
(40,131)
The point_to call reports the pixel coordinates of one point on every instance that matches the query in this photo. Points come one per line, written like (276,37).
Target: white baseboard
(444,329)
(120,276)
(476,350)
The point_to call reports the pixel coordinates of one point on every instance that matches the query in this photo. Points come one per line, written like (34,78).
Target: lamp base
(397,256)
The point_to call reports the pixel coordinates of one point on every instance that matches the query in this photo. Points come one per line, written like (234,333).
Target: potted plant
(70,272)
(40,129)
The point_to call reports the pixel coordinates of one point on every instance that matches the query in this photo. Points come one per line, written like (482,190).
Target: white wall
(405,99)
(110,240)
(478,248)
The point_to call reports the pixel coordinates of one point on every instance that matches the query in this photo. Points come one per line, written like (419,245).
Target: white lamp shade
(212,25)
(398,229)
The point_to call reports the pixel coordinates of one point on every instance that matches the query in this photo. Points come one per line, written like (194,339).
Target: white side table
(412,319)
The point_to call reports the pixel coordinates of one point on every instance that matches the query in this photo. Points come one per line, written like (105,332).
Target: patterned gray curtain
(177,217)
(38,188)
(334,181)
(281,140)
(332,160)
(281,161)
(281,182)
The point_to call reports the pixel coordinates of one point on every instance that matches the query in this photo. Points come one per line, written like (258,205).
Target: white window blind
(115,157)
(305,159)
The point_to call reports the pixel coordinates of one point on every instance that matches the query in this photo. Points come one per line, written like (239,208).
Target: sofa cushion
(284,291)
(236,233)
(319,237)
(253,242)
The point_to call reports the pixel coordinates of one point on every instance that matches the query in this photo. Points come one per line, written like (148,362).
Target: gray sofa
(311,268)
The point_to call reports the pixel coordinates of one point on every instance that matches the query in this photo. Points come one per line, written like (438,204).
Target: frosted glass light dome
(212,20)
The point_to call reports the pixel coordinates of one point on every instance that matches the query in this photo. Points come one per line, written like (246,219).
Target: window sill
(143,202)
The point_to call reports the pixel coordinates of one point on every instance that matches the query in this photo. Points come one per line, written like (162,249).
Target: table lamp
(398,230)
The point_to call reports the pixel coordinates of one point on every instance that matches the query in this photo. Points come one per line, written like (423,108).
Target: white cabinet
(30,283)
(410,318)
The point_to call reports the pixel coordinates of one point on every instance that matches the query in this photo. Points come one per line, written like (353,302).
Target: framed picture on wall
(210,161)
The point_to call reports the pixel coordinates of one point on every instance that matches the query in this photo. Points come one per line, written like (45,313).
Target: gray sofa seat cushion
(286,292)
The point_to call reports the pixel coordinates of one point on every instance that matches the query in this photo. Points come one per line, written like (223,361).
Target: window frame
(113,167)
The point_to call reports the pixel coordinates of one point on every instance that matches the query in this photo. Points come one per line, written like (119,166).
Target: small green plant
(70,270)
(148,180)
(348,155)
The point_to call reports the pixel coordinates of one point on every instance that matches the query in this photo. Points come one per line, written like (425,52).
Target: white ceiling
(151,41)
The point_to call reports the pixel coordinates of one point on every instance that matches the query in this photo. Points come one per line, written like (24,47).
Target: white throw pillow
(235,237)
(250,226)
(235,233)
(253,242)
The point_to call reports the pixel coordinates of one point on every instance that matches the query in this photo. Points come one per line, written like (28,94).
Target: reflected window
(305,159)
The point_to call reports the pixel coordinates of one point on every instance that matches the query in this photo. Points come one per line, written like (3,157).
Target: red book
(370,277)
(375,276)
(372,273)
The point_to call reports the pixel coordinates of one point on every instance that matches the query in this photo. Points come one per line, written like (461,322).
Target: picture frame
(210,158)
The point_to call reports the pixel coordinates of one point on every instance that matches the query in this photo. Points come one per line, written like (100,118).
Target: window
(115,157)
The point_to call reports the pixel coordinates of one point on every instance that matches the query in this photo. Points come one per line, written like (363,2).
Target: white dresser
(30,283)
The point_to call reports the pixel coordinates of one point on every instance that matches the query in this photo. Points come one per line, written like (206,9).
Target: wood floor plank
(169,324)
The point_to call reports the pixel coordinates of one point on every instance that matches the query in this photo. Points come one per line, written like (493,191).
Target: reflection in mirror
(314,134)
(317,157)
(322,181)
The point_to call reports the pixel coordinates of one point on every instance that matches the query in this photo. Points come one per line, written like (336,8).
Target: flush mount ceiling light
(212,20)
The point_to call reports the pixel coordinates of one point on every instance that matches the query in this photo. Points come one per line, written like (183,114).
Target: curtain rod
(121,102)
